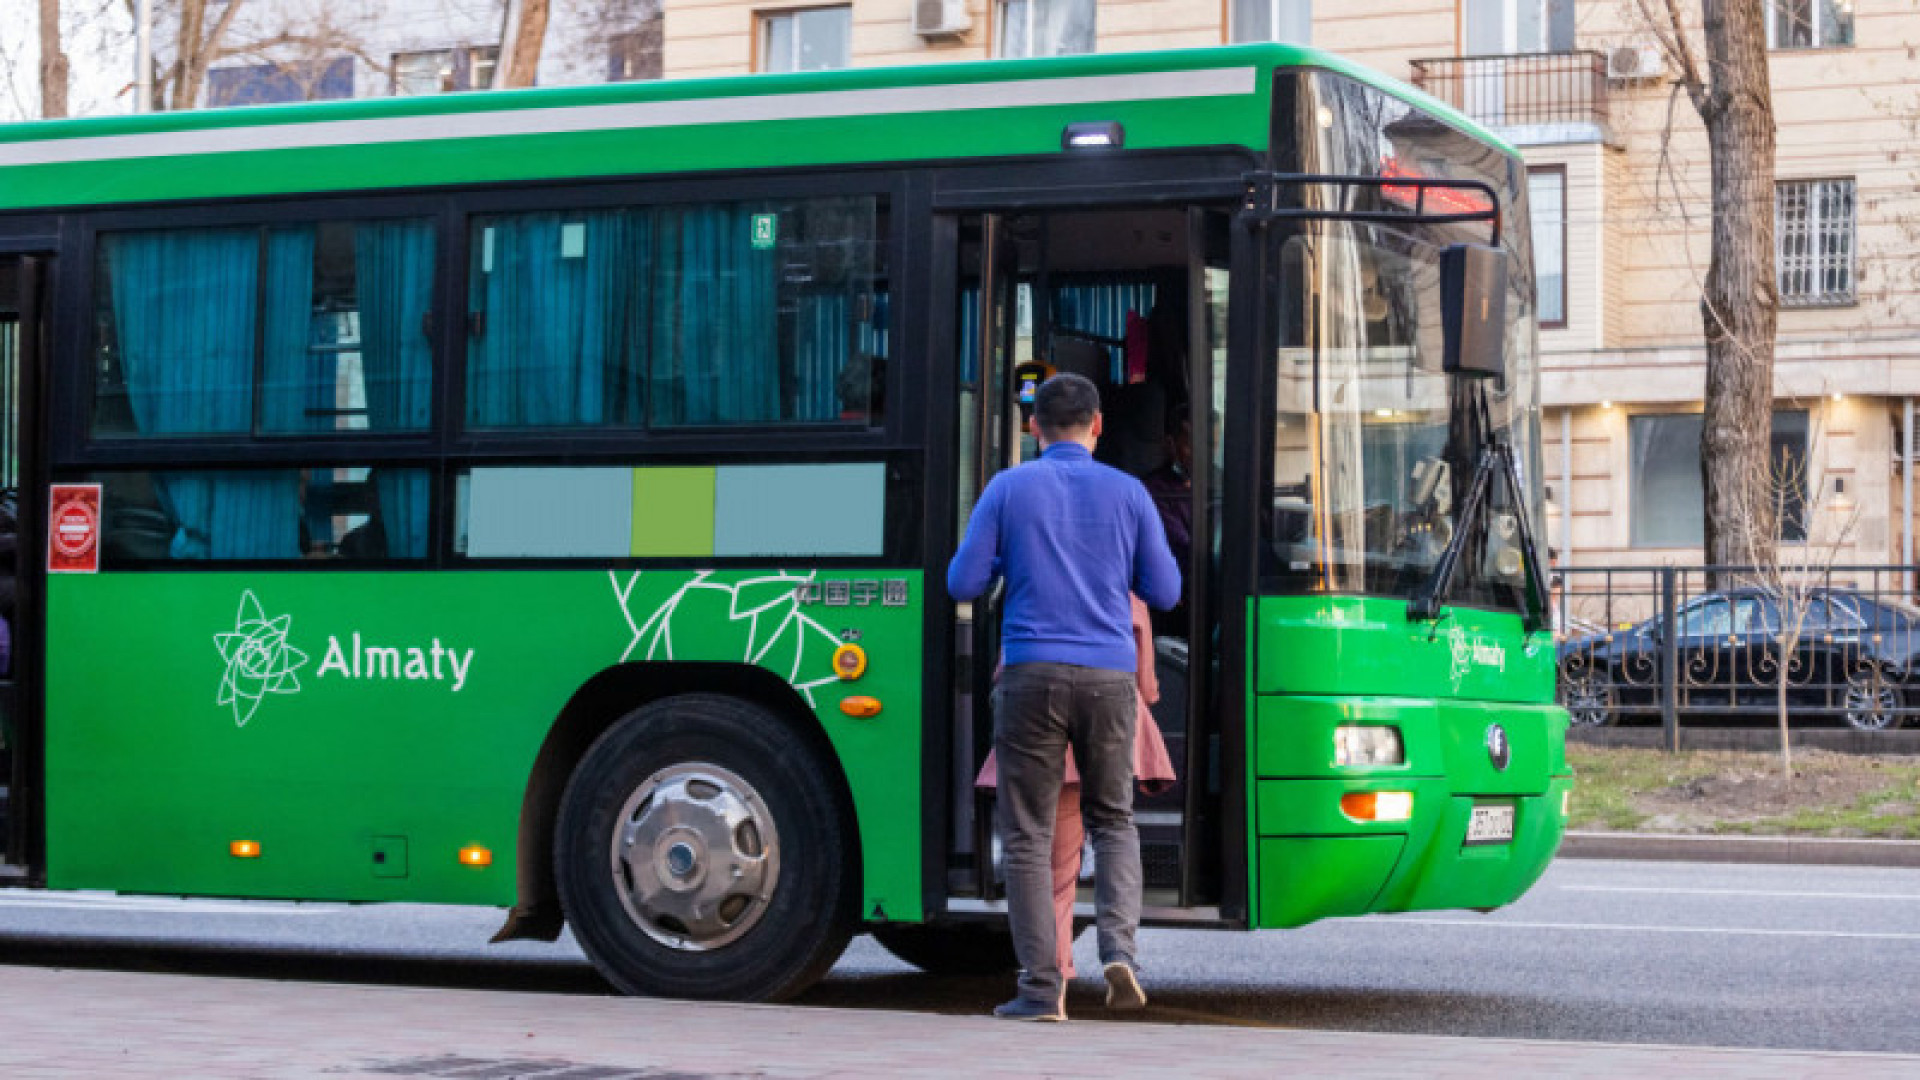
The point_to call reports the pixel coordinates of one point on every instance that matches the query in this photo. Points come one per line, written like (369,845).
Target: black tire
(1590,701)
(700,786)
(962,949)
(1873,700)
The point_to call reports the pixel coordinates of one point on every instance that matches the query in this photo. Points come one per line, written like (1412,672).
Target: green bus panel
(348,722)
(1321,663)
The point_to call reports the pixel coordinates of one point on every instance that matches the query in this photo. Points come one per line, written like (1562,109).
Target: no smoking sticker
(73,529)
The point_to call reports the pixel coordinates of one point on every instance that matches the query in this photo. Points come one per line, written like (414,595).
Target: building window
(1813,242)
(1667,503)
(1272,20)
(817,39)
(635,55)
(437,71)
(1547,200)
(1809,24)
(266,84)
(1503,27)
(1044,28)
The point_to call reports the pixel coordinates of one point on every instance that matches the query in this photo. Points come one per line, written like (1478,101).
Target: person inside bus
(1152,773)
(1071,538)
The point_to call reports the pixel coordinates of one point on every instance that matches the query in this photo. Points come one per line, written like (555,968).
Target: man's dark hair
(1065,402)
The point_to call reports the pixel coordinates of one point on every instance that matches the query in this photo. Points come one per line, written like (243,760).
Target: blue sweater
(1072,537)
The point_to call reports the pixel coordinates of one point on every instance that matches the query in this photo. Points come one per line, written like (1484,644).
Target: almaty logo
(259,660)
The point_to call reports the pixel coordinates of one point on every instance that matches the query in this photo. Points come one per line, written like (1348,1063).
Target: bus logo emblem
(259,660)
(1499,751)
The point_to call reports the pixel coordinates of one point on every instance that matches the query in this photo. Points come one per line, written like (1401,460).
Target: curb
(1804,850)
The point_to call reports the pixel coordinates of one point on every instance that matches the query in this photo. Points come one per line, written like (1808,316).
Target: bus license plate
(1490,825)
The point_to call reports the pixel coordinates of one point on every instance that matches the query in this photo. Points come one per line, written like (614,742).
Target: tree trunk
(529,35)
(53,62)
(1740,305)
(1780,706)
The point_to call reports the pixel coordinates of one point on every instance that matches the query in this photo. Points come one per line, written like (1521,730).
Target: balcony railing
(1526,90)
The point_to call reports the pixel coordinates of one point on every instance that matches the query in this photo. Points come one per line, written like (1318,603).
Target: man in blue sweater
(1071,537)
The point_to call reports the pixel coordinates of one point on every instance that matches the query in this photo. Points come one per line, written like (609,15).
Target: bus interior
(1135,300)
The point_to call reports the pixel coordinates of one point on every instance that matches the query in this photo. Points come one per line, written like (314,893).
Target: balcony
(1529,98)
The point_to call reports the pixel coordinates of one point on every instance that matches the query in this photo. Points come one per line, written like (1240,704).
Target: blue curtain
(1102,310)
(393,262)
(821,351)
(970,333)
(183,310)
(713,334)
(555,347)
(297,393)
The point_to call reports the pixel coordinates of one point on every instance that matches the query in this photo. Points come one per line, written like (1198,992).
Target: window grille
(1813,240)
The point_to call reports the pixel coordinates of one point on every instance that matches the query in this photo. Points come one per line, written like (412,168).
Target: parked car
(1854,661)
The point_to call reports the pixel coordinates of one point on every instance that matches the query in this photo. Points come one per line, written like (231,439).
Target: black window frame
(1566,289)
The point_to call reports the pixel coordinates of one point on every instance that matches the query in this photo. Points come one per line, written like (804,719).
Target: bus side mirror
(1473,310)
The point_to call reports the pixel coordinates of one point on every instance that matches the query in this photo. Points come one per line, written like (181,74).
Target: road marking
(1621,927)
(1740,892)
(84,902)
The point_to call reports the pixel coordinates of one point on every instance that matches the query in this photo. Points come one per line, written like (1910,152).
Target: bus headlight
(1368,746)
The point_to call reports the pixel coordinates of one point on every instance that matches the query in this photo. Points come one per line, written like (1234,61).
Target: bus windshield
(1373,445)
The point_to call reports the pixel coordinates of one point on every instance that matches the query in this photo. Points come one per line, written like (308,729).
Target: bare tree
(53,62)
(1739,303)
(1794,576)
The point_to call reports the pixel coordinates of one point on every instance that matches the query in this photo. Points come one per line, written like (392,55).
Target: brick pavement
(61,1023)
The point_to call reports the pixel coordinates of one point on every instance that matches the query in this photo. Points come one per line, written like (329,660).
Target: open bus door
(22,357)
(989,442)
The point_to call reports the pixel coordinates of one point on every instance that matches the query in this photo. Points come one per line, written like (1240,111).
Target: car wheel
(1590,699)
(1872,702)
(967,949)
(701,853)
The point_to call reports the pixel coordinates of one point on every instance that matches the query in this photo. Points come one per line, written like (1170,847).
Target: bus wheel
(965,949)
(700,853)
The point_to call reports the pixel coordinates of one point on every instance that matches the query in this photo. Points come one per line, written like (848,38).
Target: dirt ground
(1740,787)
(1829,793)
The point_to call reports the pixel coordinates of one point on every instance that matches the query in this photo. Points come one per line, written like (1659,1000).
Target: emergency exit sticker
(73,529)
(766,229)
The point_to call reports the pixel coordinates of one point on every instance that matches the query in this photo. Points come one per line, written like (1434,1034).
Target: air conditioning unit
(941,18)
(1631,63)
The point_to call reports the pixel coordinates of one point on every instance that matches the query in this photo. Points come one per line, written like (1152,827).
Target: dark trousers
(1039,710)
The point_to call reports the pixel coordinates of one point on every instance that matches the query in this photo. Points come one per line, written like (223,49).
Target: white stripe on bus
(493,123)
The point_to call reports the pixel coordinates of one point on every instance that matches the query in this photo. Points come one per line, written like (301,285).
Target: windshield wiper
(1496,464)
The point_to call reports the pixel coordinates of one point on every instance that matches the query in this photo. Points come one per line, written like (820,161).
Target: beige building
(1582,89)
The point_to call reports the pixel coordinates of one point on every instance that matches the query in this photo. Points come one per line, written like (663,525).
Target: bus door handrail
(1262,189)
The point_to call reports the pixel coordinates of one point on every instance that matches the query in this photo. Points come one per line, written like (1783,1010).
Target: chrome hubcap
(695,856)
(1869,703)
(1586,704)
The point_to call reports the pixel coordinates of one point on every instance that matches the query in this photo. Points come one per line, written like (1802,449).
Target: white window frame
(480,62)
(1238,34)
(1558,172)
(794,18)
(1031,24)
(1814,244)
(1823,28)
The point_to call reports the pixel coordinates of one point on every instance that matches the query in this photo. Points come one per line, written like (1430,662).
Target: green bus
(541,499)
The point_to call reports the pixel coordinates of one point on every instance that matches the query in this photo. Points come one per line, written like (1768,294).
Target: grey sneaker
(1023,1008)
(1123,987)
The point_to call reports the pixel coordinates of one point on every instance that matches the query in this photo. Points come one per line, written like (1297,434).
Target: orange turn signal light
(244,849)
(849,661)
(861,706)
(475,855)
(1377,805)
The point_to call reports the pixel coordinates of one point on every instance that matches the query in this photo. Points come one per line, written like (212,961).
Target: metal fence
(1706,644)
(1520,90)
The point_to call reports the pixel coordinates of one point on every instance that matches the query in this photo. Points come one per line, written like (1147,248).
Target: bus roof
(1199,97)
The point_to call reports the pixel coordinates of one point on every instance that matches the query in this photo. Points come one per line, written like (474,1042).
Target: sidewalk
(115,1024)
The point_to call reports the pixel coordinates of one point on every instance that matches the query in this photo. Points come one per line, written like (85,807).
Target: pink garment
(1152,771)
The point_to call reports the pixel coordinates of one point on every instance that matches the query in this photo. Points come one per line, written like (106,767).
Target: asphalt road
(1689,953)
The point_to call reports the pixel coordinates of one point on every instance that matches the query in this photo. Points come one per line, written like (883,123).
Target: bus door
(990,440)
(22,349)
